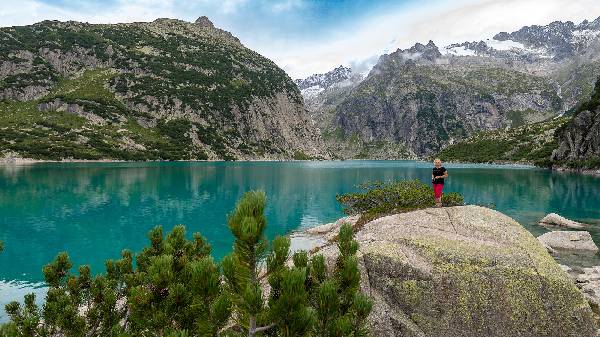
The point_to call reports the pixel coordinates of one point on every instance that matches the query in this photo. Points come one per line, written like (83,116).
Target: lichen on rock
(464,271)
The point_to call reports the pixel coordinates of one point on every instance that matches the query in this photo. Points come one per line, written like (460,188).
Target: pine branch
(264,328)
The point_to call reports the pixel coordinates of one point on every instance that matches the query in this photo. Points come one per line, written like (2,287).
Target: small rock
(569,241)
(565,268)
(585,278)
(582,278)
(554,219)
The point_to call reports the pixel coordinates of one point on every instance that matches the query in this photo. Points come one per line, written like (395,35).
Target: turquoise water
(94,210)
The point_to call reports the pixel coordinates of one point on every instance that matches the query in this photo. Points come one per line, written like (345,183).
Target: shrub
(176,288)
(381,198)
(594,101)
(299,155)
(590,163)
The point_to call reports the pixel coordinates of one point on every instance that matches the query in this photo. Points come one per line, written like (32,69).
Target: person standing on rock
(437,179)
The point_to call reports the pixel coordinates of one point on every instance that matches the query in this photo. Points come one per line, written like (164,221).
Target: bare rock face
(554,219)
(464,271)
(569,240)
(204,22)
(580,139)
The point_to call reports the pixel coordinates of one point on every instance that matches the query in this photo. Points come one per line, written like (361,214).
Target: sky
(314,36)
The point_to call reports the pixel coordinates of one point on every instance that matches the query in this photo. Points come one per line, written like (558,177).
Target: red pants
(437,190)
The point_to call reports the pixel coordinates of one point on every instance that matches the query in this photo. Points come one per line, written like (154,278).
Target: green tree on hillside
(176,289)
(594,101)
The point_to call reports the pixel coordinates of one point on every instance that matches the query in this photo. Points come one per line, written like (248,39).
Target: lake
(94,210)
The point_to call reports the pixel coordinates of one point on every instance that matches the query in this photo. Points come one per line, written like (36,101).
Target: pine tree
(176,289)
(251,265)
(341,309)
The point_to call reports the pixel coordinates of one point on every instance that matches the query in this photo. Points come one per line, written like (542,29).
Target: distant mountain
(415,101)
(166,89)
(337,78)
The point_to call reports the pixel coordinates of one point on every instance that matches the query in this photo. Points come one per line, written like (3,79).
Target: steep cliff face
(579,142)
(410,98)
(424,98)
(166,89)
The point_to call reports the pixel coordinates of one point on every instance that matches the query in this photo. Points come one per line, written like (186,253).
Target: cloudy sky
(311,36)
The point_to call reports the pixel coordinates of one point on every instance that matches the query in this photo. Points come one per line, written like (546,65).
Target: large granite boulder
(461,272)
(569,240)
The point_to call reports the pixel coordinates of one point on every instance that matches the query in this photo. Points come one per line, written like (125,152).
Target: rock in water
(569,240)
(464,271)
(554,219)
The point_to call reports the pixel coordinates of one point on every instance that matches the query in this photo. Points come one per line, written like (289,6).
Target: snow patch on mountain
(504,45)
(459,51)
(339,77)
(585,35)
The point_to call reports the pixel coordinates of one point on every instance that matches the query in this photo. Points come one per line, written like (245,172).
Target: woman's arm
(445,175)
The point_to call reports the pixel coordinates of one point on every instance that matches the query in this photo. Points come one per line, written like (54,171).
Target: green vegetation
(175,288)
(532,143)
(380,199)
(91,86)
(592,163)
(119,81)
(299,155)
(55,135)
(594,101)
(577,80)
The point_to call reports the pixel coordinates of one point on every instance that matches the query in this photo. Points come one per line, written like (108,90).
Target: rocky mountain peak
(204,21)
(340,77)
(417,54)
(325,80)
(559,39)
(428,52)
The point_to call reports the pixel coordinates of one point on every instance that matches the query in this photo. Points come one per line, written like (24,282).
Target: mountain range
(416,101)
(175,90)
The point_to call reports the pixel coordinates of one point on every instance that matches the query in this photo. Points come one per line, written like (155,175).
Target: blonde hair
(437,159)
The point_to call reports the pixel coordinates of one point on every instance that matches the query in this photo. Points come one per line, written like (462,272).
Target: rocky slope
(424,98)
(579,142)
(166,89)
(462,271)
(571,141)
(527,144)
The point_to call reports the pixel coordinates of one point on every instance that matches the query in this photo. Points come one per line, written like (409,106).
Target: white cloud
(24,12)
(286,5)
(231,6)
(357,44)
(442,22)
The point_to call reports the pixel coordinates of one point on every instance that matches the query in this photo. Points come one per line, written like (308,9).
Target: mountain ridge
(527,76)
(166,89)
